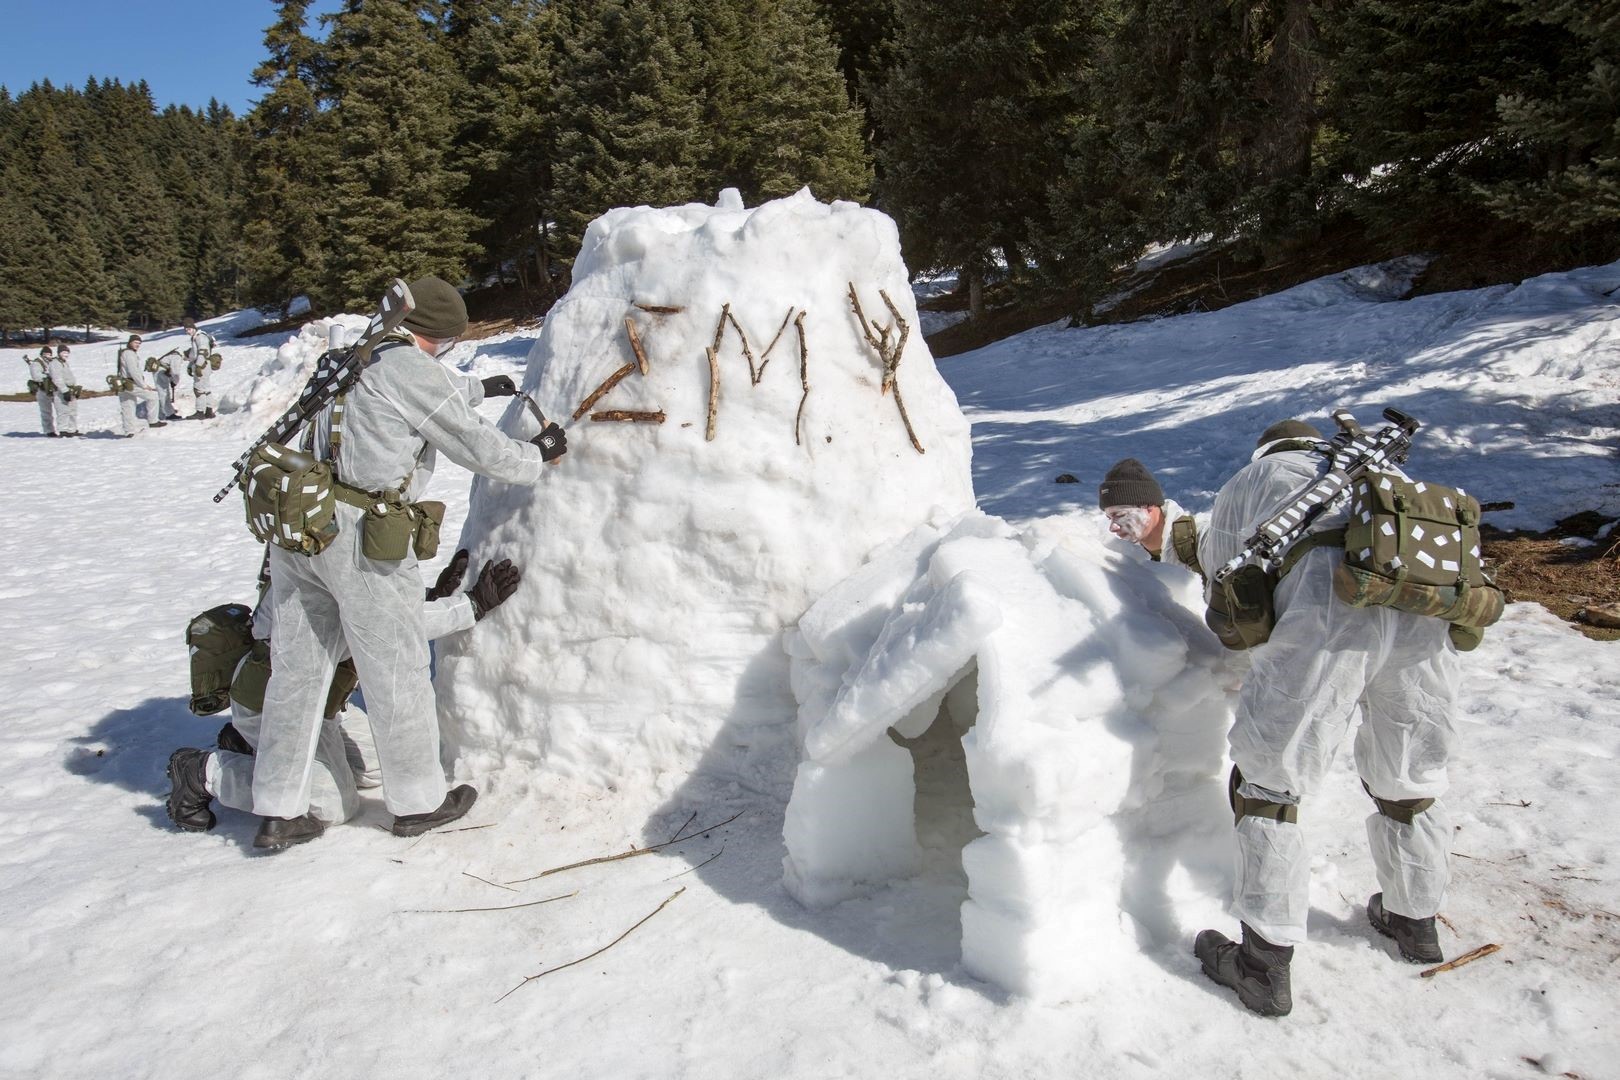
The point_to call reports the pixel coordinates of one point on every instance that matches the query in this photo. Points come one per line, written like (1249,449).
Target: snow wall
(661,564)
(1094,705)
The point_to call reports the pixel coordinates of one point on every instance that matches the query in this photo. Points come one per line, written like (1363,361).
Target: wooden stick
(714,388)
(682,829)
(866,327)
(635,347)
(660,309)
(632,853)
(748,353)
(804,376)
(1465,958)
(892,361)
(720,327)
(596,395)
(765,357)
(468,910)
(486,881)
(700,865)
(631,416)
(900,402)
(597,953)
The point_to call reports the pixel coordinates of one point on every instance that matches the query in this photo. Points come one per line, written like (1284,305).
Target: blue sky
(187,50)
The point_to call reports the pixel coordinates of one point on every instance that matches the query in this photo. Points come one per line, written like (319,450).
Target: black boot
(1256,969)
(158,423)
(276,833)
(1417,939)
(188,800)
(208,414)
(455,804)
(230,739)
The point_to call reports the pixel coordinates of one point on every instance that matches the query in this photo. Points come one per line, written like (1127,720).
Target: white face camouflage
(1129,522)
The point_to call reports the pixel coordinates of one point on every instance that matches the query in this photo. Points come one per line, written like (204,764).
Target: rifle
(335,372)
(1352,453)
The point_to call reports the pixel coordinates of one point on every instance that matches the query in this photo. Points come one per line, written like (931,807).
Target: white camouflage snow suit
(174,364)
(196,354)
(67,407)
(1326,663)
(405,407)
(42,397)
(141,399)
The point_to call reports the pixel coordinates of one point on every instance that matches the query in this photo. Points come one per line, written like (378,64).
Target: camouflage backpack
(1414,547)
(217,640)
(289,499)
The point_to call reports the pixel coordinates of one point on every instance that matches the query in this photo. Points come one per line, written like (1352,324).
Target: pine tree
(629,111)
(777,110)
(282,203)
(394,197)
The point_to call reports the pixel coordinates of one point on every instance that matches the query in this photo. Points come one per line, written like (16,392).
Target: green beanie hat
(1129,483)
(439,314)
(1288,429)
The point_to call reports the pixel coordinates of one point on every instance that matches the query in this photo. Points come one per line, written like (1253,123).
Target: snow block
(850,825)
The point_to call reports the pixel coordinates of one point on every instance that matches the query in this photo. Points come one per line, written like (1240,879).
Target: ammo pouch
(392,528)
(215,360)
(288,498)
(35,386)
(1240,609)
(1415,547)
(217,640)
(120,383)
(153,365)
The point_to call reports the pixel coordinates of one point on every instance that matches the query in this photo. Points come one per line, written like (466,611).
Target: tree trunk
(975,280)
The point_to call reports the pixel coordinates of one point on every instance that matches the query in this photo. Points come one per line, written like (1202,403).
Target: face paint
(444,347)
(1128,522)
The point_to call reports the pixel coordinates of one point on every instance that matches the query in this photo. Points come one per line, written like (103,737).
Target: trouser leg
(333,798)
(67,415)
(126,413)
(1402,750)
(304,649)
(47,414)
(381,604)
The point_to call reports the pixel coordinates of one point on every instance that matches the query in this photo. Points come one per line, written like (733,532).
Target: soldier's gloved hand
(496,582)
(553,443)
(450,577)
(499,386)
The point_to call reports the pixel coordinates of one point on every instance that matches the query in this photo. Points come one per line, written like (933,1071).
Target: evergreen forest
(1047,141)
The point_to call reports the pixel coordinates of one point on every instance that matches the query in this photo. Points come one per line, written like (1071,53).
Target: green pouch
(252,678)
(288,499)
(387,528)
(429,517)
(215,360)
(344,680)
(1240,610)
(217,640)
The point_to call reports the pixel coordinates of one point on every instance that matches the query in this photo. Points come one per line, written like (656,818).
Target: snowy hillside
(133,950)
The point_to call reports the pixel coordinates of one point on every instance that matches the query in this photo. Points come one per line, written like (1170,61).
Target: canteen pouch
(1240,609)
(387,528)
(429,516)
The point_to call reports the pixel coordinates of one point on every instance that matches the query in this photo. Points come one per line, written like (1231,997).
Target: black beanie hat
(439,314)
(1288,429)
(1129,483)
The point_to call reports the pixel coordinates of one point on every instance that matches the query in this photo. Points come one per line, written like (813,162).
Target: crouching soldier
(197,777)
(39,385)
(1325,663)
(201,362)
(174,365)
(1139,512)
(137,400)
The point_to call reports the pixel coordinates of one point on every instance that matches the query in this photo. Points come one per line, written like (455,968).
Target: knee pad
(1401,810)
(1242,807)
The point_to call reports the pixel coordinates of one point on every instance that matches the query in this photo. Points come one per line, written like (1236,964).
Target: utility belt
(121,383)
(392,527)
(36,387)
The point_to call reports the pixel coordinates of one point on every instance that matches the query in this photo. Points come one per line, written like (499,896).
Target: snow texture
(661,566)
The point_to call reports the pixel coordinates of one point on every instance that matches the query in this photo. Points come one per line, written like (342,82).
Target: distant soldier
(199,365)
(65,391)
(135,395)
(39,386)
(174,362)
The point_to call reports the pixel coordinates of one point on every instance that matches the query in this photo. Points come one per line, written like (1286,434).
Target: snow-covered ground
(133,950)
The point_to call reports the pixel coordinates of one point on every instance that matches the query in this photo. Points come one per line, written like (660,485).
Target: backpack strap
(1184,541)
(1306,544)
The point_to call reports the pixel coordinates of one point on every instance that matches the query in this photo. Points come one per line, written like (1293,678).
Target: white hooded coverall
(1325,663)
(333,794)
(405,407)
(129,366)
(202,387)
(67,412)
(47,411)
(174,363)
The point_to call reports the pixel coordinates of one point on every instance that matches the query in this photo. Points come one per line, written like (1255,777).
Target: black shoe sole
(1407,955)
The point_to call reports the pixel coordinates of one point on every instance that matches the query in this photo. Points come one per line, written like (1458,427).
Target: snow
(133,950)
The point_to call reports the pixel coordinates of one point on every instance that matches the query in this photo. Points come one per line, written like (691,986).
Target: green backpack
(1415,547)
(289,499)
(217,640)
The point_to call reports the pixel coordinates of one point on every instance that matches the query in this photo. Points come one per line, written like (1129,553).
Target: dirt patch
(1566,569)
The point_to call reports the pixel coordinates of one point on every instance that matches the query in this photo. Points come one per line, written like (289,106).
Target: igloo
(751,411)
(1088,694)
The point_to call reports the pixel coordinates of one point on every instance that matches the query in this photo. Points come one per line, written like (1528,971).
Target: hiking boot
(187,804)
(456,804)
(1417,939)
(276,833)
(231,740)
(1256,969)
(209,414)
(158,423)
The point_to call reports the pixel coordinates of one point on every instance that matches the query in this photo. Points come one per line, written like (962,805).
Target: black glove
(499,386)
(552,442)
(495,583)
(450,577)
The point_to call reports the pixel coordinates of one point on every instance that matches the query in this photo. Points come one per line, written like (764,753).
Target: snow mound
(1088,692)
(280,377)
(664,555)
